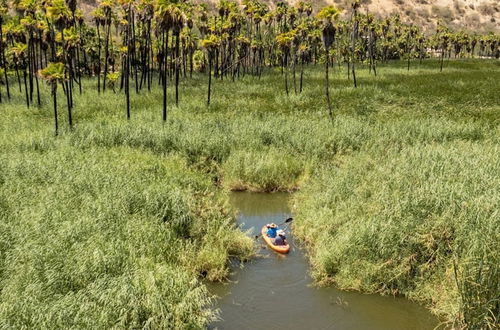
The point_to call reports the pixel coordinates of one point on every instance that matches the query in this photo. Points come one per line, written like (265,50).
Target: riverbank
(421,148)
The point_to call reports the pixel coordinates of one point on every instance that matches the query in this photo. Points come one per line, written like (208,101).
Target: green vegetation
(111,223)
(398,221)
(98,238)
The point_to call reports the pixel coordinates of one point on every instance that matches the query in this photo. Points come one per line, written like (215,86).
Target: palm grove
(131,45)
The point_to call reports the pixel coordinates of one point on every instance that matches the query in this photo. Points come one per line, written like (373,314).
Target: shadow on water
(275,291)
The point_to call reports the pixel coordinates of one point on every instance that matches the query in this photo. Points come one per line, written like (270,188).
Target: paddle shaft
(286,221)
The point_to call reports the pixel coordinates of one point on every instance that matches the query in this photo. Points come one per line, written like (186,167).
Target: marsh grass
(396,222)
(111,237)
(111,224)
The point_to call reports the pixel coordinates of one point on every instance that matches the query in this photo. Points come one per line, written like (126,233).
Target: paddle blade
(288,220)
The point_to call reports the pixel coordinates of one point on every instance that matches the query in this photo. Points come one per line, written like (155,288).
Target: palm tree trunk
(36,83)
(106,54)
(98,60)
(150,62)
(442,59)
(78,69)
(177,65)
(165,68)
(184,53)
(16,66)
(294,73)
(285,65)
(127,85)
(26,87)
(327,88)
(301,73)
(134,54)
(408,53)
(127,66)
(210,59)
(191,65)
(67,92)
(354,74)
(353,48)
(353,70)
(348,69)
(54,99)
(30,66)
(4,61)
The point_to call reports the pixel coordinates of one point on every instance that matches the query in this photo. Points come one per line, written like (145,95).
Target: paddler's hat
(273,225)
(281,232)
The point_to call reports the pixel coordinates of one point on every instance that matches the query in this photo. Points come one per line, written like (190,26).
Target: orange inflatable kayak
(269,241)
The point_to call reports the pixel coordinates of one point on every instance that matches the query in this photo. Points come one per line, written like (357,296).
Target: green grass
(111,224)
(109,237)
(396,222)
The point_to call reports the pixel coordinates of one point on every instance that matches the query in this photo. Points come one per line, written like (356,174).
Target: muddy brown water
(275,292)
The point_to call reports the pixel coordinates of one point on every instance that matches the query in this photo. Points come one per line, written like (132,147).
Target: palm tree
(166,13)
(71,42)
(372,26)
(354,36)
(54,73)
(112,80)
(31,27)
(443,35)
(14,33)
(28,8)
(472,45)
(189,43)
(145,14)
(99,19)
(285,41)
(243,45)
(128,13)
(3,62)
(106,11)
(19,56)
(411,34)
(303,41)
(210,44)
(59,15)
(328,16)
(303,50)
(3,59)
(178,19)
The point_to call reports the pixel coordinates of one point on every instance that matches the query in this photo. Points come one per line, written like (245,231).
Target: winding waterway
(275,291)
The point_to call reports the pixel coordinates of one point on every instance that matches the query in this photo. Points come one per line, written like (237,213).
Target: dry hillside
(474,15)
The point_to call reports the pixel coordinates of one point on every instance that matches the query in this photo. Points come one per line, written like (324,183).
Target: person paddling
(272,230)
(281,238)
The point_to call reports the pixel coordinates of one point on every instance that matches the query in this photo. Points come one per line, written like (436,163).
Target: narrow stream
(275,291)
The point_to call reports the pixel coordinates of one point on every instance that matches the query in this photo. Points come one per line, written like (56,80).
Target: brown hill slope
(476,15)
(473,15)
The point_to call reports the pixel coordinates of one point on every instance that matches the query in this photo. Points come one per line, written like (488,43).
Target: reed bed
(113,223)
